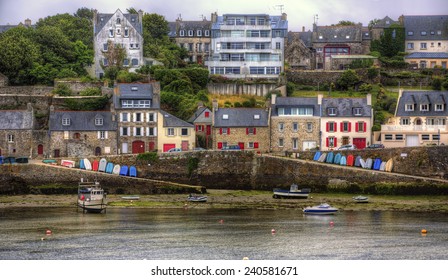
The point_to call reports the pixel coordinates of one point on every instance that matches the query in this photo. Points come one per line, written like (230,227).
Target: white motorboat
(197,198)
(322,209)
(91,197)
(361,199)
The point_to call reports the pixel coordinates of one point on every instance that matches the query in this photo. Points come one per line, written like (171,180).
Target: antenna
(279,7)
(316,18)
(202,17)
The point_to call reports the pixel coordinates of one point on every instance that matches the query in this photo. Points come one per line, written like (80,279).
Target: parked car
(347,147)
(198,149)
(9,160)
(231,147)
(174,150)
(375,146)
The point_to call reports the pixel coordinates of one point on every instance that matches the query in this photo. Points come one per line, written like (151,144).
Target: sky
(301,13)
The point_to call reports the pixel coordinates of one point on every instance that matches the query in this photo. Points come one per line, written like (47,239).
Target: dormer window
(423,33)
(321,37)
(99,121)
(410,33)
(256,117)
(182,33)
(347,37)
(199,32)
(190,33)
(409,107)
(207,33)
(134,88)
(424,107)
(118,21)
(65,121)
(439,107)
(357,111)
(225,117)
(332,111)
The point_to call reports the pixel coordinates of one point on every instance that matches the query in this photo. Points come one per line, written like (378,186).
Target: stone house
(124,30)
(174,133)
(298,51)
(16,132)
(377,30)
(248,45)
(427,59)
(82,133)
(295,124)
(136,106)
(202,121)
(345,121)
(420,119)
(194,36)
(246,127)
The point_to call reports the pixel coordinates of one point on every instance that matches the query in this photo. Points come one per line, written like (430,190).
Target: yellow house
(174,133)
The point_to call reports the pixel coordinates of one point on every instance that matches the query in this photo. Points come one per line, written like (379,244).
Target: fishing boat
(197,198)
(361,199)
(91,197)
(293,192)
(322,209)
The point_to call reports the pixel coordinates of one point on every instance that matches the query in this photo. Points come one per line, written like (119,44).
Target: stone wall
(26,90)
(78,86)
(233,89)
(313,78)
(85,145)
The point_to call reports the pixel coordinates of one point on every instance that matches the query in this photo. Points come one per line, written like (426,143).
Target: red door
(40,149)
(184,145)
(166,147)
(209,129)
(138,147)
(241,144)
(360,143)
(151,146)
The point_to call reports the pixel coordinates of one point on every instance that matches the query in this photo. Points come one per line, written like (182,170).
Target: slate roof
(199,117)
(144,91)
(429,24)
(422,97)
(189,25)
(81,121)
(338,34)
(295,102)
(173,121)
(14,120)
(132,19)
(385,23)
(344,107)
(305,37)
(428,55)
(241,117)
(276,21)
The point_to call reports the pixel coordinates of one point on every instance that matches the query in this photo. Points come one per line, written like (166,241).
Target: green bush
(91,104)
(63,90)
(150,157)
(437,83)
(180,86)
(90,92)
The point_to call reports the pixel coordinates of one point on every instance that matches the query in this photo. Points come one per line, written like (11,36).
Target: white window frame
(66,121)
(170,131)
(225,131)
(10,138)
(295,126)
(409,107)
(281,142)
(438,107)
(281,127)
(99,121)
(295,143)
(332,111)
(102,134)
(424,107)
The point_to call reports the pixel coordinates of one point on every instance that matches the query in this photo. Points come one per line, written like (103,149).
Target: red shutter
(207,114)
(342,126)
(335,127)
(328,142)
(357,127)
(247,130)
(349,127)
(220,145)
(255,131)
(220,131)
(328,128)
(365,127)
(196,127)
(335,142)
(255,145)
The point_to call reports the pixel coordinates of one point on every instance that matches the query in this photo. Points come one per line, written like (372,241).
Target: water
(214,234)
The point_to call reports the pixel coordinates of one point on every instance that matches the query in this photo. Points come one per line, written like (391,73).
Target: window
(423,46)
(111,32)
(138,117)
(405,121)
(136,103)
(280,142)
(251,130)
(295,143)
(184,131)
(224,131)
(125,62)
(250,145)
(134,62)
(207,33)
(76,136)
(278,45)
(207,114)
(295,126)
(331,111)
(345,126)
(66,135)
(423,33)
(331,127)
(425,137)
(409,107)
(357,111)
(105,47)
(361,126)
(309,127)
(152,131)
(388,137)
(199,32)
(399,137)
(410,33)
(410,46)
(118,21)
(424,107)
(65,121)
(281,127)
(151,117)
(10,138)
(126,32)
(99,121)
(124,131)
(182,33)
(102,135)
(170,131)
(124,117)
(190,33)
(435,137)
(225,117)
(331,142)
(105,62)
(137,131)
(438,107)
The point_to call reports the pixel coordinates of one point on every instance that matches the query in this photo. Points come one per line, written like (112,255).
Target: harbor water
(220,234)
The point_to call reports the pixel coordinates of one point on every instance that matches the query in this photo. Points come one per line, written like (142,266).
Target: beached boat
(293,192)
(91,197)
(197,198)
(361,199)
(68,163)
(322,209)
(130,197)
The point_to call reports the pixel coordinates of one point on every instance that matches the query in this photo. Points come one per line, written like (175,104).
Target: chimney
(140,16)
(95,14)
(284,16)
(369,99)
(51,108)
(273,99)
(215,105)
(214,17)
(28,22)
(303,28)
(319,98)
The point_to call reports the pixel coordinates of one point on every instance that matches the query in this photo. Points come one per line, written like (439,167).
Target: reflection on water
(220,234)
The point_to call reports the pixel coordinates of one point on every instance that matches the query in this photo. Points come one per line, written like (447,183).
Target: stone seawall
(248,89)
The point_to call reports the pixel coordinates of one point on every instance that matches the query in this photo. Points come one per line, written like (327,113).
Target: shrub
(90,92)
(62,90)
(437,83)
(150,157)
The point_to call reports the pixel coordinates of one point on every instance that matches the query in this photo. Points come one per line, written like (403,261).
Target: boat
(87,164)
(361,199)
(49,161)
(389,165)
(316,156)
(337,158)
(368,164)
(133,171)
(124,170)
(377,164)
(383,166)
(81,164)
(343,161)
(103,165)
(330,157)
(293,192)
(131,197)
(358,161)
(116,169)
(109,167)
(362,163)
(91,197)
(350,160)
(322,157)
(322,209)
(95,165)
(197,198)
(68,163)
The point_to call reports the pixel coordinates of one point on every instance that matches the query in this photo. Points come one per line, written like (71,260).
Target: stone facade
(297,54)
(125,30)
(16,132)
(202,121)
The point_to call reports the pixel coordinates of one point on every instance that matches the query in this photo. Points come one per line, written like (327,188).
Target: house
(377,29)
(194,36)
(345,121)
(427,34)
(26,24)
(420,119)
(137,106)
(82,133)
(427,59)
(175,133)
(298,51)
(246,127)
(248,45)
(117,30)
(202,121)
(16,132)
(295,124)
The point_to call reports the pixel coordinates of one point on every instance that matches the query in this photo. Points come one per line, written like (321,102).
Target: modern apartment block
(248,45)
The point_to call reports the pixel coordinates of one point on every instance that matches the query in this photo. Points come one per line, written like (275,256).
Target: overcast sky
(300,12)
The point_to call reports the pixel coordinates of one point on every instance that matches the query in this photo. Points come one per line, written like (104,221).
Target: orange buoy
(424,231)
(48,232)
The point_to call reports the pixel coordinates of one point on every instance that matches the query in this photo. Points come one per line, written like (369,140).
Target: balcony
(414,128)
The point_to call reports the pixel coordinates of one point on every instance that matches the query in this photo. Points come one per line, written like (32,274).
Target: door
(40,149)
(166,147)
(241,144)
(411,140)
(124,148)
(184,145)
(151,146)
(98,151)
(345,140)
(57,153)
(209,129)
(138,147)
(308,145)
(360,143)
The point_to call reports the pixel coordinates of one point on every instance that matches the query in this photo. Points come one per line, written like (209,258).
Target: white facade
(121,29)
(248,46)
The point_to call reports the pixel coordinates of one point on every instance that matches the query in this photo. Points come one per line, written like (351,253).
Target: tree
(345,23)
(391,42)
(347,80)
(114,56)
(372,23)
(84,13)
(132,10)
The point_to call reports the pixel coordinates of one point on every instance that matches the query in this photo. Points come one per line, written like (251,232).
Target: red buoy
(48,232)
(273,231)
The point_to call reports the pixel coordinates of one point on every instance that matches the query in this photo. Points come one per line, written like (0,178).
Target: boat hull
(197,199)
(289,194)
(319,212)
(92,206)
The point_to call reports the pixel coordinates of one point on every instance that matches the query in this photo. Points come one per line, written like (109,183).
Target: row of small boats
(102,165)
(352,160)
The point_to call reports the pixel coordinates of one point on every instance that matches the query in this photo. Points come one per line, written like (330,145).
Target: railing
(431,128)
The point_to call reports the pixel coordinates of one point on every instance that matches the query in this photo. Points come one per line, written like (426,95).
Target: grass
(222,99)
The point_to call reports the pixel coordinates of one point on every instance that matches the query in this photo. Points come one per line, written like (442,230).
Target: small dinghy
(360,199)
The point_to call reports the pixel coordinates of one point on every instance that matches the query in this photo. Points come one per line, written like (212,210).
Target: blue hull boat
(322,209)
